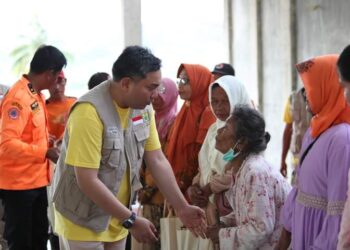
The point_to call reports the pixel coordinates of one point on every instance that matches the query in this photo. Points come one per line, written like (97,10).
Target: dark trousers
(26,223)
(128,242)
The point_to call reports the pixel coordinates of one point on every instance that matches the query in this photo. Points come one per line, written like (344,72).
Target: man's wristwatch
(129,222)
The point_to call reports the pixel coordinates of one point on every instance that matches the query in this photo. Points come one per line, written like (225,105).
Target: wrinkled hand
(193,218)
(53,154)
(284,241)
(197,196)
(213,233)
(284,169)
(184,182)
(144,231)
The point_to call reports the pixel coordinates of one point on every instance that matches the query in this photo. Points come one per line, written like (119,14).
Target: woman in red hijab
(191,124)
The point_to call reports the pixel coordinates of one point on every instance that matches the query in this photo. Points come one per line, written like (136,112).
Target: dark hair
(135,61)
(97,78)
(250,125)
(344,64)
(47,57)
(214,86)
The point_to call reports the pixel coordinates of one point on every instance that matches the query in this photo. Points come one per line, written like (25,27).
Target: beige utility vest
(301,121)
(120,149)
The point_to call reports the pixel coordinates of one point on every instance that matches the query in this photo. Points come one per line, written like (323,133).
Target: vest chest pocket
(141,134)
(111,152)
(75,205)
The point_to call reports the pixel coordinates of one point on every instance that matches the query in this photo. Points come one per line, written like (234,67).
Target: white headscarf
(210,159)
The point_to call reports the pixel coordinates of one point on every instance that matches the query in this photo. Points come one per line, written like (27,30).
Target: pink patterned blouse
(257,197)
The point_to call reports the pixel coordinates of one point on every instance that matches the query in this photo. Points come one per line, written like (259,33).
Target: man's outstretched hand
(193,218)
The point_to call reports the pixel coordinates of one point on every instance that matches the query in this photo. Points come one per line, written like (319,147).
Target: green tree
(23,53)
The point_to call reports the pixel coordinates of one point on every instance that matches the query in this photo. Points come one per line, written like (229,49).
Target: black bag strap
(307,150)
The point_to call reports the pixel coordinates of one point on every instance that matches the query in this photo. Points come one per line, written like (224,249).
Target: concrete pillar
(263,59)
(132,22)
(269,37)
(276,70)
(245,54)
(228,23)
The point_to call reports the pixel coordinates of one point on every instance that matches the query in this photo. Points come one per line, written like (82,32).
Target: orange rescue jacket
(57,113)
(23,139)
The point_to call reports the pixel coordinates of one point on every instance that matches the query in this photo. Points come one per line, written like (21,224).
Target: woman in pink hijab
(165,107)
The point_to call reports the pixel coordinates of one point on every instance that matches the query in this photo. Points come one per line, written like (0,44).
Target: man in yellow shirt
(287,135)
(297,120)
(109,131)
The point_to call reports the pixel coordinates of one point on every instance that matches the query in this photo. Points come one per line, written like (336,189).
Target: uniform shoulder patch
(13,113)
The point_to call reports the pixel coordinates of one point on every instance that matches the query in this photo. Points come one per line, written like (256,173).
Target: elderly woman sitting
(257,192)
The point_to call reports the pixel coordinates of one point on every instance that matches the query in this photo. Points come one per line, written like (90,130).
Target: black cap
(224,69)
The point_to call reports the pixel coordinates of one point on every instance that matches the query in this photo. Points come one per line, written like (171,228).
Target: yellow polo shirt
(287,115)
(84,150)
(288,119)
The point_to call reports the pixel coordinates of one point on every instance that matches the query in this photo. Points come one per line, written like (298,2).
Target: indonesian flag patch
(137,120)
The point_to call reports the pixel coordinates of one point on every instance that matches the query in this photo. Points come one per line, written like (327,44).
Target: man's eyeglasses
(182,81)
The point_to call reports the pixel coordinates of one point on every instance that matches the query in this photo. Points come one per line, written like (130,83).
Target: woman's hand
(197,196)
(213,233)
(193,218)
(284,241)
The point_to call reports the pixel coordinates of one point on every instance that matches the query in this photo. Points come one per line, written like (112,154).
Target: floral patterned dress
(256,196)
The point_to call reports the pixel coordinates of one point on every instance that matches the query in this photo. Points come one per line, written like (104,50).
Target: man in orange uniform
(3,244)
(58,106)
(24,152)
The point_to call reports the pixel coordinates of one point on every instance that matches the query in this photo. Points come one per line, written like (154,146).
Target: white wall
(267,43)
(276,70)
(245,44)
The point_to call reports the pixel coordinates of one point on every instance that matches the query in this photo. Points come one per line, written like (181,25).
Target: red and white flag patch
(137,120)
